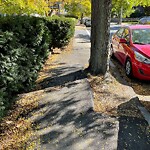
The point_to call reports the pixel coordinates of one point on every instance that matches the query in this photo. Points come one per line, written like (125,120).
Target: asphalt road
(113,29)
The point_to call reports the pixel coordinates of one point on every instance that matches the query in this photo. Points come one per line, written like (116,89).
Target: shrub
(25,43)
(62,30)
(24,47)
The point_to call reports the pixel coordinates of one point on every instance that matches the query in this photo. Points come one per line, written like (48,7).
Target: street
(113,28)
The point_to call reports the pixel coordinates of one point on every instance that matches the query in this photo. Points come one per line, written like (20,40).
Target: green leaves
(127,6)
(25,43)
(24,7)
(62,30)
(79,7)
(24,46)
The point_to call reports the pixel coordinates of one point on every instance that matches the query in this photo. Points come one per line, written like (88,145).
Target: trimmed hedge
(25,43)
(62,30)
(24,46)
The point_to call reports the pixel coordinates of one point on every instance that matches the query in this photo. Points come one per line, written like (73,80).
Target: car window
(141,36)
(120,32)
(88,20)
(126,34)
(145,20)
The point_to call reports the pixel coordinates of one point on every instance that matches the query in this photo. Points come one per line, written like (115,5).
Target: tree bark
(100,31)
(120,15)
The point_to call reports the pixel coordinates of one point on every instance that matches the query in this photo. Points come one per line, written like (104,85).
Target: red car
(131,46)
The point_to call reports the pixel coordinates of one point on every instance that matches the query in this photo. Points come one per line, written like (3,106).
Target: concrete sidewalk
(66,120)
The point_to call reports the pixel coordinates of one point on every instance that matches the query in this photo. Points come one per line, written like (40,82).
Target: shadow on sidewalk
(83,38)
(133,133)
(62,127)
(63,75)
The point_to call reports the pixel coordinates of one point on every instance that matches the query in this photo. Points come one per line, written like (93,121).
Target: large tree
(24,7)
(101,10)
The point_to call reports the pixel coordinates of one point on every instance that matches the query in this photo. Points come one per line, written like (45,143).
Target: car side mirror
(123,41)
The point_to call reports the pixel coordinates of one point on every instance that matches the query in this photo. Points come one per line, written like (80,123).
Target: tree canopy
(78,7)
(127,6)
(24,7)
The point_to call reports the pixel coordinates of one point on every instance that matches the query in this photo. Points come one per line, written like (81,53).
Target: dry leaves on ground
(113,98)
(15,128)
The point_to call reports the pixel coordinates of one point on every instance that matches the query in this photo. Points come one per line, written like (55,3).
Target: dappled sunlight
(65,121)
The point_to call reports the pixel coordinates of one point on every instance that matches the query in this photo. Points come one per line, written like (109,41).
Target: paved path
(66,120)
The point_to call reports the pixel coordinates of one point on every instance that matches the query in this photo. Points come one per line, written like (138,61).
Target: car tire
(128,68)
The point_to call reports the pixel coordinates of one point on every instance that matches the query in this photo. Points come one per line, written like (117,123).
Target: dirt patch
(113,98)
(119,95)
(15,129)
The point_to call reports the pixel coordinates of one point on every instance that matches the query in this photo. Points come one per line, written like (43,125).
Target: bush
(24,47)
(25,43)
(62,30)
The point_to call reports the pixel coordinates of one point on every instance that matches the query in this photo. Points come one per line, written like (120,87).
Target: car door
(124,48)
(116,43)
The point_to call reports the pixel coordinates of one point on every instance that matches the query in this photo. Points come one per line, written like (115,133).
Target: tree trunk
(81,19)
(120,15)
(100,31)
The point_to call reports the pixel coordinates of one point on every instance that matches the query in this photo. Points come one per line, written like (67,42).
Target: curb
(145,113)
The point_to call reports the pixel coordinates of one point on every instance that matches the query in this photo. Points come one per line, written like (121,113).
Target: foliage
(147,10)
(24,7)
(62,30)
(124,4)
(127,6)
(24,43)
(78,7)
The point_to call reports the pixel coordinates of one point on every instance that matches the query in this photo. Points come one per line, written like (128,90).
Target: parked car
(87,23)
(144,20)
(131,46)
(83,20)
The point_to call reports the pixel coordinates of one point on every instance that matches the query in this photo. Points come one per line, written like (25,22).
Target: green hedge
(24,46)
(25,43)
(62,30)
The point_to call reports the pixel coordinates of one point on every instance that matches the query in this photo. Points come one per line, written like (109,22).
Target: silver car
(88,23)
(145,20)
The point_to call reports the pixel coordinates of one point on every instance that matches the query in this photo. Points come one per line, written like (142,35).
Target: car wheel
(128,68)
